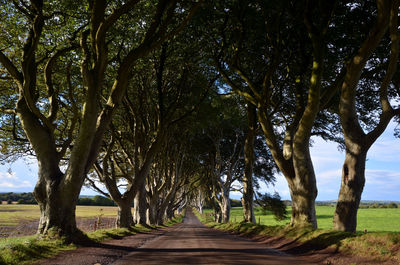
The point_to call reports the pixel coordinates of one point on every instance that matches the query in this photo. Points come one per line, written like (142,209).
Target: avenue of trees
(163,104)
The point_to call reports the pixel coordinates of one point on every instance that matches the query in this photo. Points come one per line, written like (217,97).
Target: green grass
(381,243)
(20,250)
(374,220)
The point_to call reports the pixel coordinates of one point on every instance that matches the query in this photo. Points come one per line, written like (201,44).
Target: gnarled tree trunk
(124,215)
(57,209)
(351,188)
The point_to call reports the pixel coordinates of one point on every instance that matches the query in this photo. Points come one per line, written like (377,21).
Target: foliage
(274,204)
(96,201)
(21,198)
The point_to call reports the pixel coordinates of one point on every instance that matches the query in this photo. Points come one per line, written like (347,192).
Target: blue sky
(382,172)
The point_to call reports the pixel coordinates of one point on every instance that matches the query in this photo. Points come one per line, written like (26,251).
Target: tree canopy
(173,103)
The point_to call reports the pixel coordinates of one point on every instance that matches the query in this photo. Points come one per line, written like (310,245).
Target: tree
(92,94)
(357,141)
(274,204)
(161,96)
(248,191)
(281,74)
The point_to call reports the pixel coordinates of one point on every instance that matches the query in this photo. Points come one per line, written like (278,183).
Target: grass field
(12,214)
(374,220)
(23,220)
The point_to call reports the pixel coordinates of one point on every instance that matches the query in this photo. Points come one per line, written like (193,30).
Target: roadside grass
(374,245)
(22,250)
(373,220)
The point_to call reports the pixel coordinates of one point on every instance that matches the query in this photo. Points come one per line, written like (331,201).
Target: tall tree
(357,141)
(99,88)
(280,73)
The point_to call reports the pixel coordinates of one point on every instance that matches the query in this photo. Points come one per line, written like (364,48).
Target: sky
(382,172)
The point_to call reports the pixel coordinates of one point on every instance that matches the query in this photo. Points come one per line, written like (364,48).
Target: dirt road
(187,243)
(193,243)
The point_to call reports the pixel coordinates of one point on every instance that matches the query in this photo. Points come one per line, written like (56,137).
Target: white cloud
(382,177)
(381,185)
(9,180)
(279,186)
(8,176)
(327,177)
(385,150)
(387,147)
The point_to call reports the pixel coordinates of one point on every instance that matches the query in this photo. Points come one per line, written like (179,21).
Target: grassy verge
(378,246)
(373,220)
(20,250)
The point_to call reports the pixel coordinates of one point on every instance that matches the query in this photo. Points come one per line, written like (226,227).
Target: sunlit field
(374,220)
(22,220)
(14,213)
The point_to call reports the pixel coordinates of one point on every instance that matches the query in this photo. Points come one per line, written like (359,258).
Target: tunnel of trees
(170,103)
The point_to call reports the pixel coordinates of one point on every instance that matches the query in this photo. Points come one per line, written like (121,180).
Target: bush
(392,205)
(274,204)
(375,205)
(236,203)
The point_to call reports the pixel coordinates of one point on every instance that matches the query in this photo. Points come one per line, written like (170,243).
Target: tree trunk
(200,205)
(303,196)
(124,216)
(303,188)
(351,188)
(140,207)
(248,192)
(170,213)
(302,184)
(226,206)
(57,205)
(152,210)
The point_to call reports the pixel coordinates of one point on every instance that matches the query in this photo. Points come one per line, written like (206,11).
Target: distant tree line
(28,198)
(375,205)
